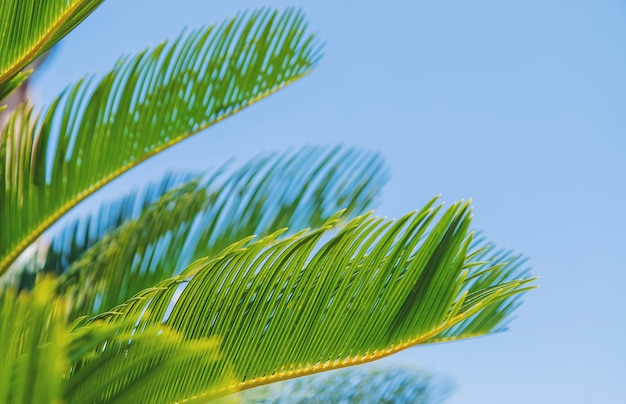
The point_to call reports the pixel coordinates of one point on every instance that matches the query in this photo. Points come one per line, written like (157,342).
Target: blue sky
(519,105)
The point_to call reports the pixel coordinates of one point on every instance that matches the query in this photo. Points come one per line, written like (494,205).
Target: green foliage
(35,344)
(200,286)
(155,365)
(201,218)
(71,242)
(297,306)
(12,84)
(47,361)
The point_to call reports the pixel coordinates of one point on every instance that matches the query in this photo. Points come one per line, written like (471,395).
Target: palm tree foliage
(201,218)
(55,253)
(73,239)
(284,310)
(202,285)
(45,360)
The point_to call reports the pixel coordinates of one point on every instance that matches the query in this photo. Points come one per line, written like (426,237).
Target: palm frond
(295,190)
(94,132)
(35,342)
(46,360)
(12,84)
(73,240)
(154,366)
(58,249)
(29,28)
(478,278)
(292,307)
(363,385)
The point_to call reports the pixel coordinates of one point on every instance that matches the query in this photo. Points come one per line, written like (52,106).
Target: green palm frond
(35,343)
(291,307)
(45,360)
(363,385)
(30,27)
(61,247)
(156,365)
(74,239)
(12,84)
(295,190)
(95,131)
(477,281)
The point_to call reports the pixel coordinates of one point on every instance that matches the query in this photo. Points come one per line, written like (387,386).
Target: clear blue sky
(519,105)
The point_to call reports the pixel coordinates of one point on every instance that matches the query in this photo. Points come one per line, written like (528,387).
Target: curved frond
(95,131)
(295,190)
(292,307)
(29,28)
(490,266)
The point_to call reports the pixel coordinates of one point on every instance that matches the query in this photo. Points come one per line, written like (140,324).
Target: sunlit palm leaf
(295,190)
(30,27)
(96,131)
(298,306)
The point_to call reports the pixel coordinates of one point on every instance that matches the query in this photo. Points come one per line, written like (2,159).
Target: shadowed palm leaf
(294,190)
(56,251)
(74,239)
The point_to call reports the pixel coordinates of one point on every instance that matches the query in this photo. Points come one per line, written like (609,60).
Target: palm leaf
(35,342)
(12,84)
(45,361)
(299,306)
(478,279)
(94,132)
(295,190)
(154,366)
(29,28)
(56,251)
(74,239)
